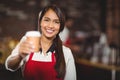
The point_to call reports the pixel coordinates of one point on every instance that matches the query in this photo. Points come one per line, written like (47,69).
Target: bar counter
(98,65)
(111,72)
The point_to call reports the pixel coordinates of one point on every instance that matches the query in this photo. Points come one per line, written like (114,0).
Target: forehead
(51,14)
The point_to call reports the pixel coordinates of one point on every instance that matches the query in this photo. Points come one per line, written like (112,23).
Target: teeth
(50,31)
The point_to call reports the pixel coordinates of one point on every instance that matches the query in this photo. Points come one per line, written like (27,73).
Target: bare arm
(15,60)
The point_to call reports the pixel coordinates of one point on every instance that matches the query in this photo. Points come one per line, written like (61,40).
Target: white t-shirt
(69,60)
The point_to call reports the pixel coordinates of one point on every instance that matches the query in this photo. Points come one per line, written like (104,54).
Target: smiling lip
(49,31)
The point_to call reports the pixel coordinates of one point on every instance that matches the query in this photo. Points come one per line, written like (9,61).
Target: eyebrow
(49,18)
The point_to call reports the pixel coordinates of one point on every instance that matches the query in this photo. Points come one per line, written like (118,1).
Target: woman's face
(50,24)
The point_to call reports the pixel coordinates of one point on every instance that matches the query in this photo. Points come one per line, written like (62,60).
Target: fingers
(25,48)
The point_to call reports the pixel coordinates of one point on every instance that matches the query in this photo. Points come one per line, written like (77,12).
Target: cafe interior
(93,30)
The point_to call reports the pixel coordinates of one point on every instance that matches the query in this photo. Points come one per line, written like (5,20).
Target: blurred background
(92,32)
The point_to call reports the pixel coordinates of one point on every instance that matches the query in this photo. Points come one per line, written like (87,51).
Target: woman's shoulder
(67,54)
(67,51)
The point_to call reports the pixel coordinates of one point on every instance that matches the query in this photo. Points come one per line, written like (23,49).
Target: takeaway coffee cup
(34,37)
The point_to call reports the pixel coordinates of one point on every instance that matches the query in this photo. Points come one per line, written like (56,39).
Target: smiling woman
(54,61)
(50,24)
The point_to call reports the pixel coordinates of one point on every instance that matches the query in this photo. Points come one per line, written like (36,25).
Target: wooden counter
(98,65)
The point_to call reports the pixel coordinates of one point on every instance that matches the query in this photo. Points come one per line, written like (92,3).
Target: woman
(55,61)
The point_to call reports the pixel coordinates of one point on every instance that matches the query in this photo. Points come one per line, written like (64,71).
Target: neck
(45,44)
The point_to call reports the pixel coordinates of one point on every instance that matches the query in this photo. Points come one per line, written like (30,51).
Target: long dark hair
(60,61)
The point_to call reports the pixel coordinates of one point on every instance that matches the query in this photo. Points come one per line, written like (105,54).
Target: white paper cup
(34,37)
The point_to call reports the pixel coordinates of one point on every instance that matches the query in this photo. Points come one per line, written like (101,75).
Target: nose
(51,25)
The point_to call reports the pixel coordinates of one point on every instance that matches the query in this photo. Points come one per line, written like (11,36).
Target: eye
(57,22)
(46,19)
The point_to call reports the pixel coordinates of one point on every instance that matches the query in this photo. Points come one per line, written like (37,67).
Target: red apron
(38,70)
